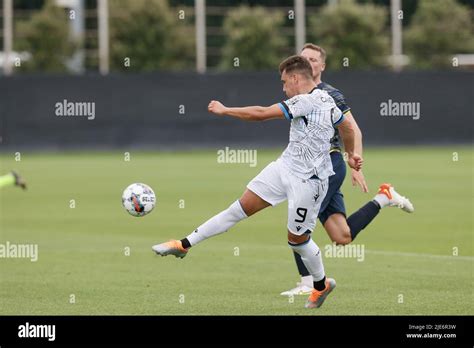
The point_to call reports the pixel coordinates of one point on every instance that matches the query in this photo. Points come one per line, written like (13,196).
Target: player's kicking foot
(19,181)
(301,289)
(395,199)
(317,298)
(173,247)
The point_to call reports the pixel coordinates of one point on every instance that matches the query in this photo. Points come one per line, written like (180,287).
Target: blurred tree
(151,35)
(252,39)
(353,35)
(46,37)
(439,30)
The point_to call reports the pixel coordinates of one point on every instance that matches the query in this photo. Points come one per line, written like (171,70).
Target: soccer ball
(138,199)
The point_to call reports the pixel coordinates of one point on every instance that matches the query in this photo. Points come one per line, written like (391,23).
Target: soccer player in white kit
(299,175)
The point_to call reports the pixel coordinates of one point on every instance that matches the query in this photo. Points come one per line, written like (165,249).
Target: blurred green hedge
(153,37)
(253,39)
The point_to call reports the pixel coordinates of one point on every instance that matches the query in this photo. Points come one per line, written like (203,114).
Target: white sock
(382,200)
(218,224)
(311,257)
(307,280)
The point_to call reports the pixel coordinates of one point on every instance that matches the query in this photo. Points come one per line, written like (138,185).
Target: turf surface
(408,268)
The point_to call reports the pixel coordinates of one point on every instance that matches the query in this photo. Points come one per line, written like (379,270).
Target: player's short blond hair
(316,48)
(297,64)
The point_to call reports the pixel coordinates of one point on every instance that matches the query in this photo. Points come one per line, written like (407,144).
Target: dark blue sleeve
(340,100)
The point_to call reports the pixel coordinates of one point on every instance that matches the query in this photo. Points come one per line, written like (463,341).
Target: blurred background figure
(12,179)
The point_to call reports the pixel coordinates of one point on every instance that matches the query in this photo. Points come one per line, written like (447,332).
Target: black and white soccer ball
(138,199)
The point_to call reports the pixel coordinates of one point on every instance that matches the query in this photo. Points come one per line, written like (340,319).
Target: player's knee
(251,203)
(295,239)
(246,207)
(343,237)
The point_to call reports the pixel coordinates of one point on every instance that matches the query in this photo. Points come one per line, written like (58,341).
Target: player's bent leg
(386,196)
(343,230)
(311,256)
(337,228)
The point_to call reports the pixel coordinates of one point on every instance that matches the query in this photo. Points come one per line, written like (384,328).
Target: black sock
(301,267)
(185,243)
(362,217)
(320,285)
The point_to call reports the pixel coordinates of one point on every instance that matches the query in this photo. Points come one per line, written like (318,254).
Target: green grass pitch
(409,267)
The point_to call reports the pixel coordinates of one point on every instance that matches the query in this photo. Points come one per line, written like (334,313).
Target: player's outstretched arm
(347,131)
(248,113)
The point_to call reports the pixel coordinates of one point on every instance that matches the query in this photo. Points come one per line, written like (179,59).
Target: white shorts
(276,183)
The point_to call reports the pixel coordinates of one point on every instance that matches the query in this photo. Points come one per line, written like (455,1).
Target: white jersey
(313,117)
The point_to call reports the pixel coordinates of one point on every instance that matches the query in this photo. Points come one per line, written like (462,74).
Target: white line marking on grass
(431,256)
